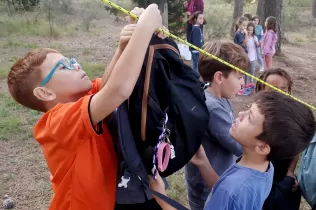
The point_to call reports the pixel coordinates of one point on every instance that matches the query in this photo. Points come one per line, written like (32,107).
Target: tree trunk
(274,8)
(8,7)
(260,11)
(165,16)
(163,7)
(314,12)
(238,11)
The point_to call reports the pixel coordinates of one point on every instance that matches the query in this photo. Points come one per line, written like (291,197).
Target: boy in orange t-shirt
(76,144)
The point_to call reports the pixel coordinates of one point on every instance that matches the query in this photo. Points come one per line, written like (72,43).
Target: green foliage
(218,26)
(4,70)
(39,28)
(176,17)
(123,3)
(175,14)
(297,3)
(89,13)
(10,123)
(10,44)
(27,5)
(145,3)
(246,2)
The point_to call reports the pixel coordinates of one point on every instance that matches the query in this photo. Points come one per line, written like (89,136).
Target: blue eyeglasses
(69,64)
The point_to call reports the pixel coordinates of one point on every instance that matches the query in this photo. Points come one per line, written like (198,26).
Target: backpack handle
(151,53)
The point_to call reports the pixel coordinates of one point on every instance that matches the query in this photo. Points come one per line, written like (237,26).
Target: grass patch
(10,44)
(93,70)
(57,46)
(15,119)
(4,70)
(306,34)
(10,123)
(18,25)
(177,189)
(86,52)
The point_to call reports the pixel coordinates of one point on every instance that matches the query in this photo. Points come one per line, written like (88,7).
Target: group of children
(235,168)
(257,43)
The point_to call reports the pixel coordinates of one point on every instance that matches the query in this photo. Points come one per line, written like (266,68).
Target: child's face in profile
(250,30)
(232,84)
(200,19)
(277,81)
(64,84)
(256,21)
(247,127)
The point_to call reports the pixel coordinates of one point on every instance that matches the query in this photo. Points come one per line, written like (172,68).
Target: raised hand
(150,19)
(136,11)
(126,35)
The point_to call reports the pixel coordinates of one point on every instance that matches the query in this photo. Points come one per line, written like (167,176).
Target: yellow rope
(210,55)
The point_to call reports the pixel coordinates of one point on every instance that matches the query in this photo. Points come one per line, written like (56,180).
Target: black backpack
(167,91)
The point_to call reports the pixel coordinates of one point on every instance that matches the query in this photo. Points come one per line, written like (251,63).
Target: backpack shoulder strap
(168,200)
(151,53)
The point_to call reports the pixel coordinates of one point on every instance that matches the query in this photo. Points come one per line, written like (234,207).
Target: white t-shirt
(252,51)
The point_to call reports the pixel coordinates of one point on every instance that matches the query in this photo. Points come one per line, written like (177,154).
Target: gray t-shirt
(221,149)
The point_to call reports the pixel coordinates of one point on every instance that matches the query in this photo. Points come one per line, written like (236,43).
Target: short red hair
(25,75)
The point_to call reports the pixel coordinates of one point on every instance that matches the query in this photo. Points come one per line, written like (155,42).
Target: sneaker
(250,85)
(244,92)
(261,70)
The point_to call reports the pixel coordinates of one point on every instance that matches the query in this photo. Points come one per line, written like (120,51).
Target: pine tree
(176,17)
(175,11)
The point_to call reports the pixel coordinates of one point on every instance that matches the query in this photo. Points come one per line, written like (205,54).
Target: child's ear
(218,77)
(44,94)
(263,149)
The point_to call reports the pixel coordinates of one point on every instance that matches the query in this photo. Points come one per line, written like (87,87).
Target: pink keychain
(163,163)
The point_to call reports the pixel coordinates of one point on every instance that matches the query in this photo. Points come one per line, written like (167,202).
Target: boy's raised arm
(110,67)
(126,71)
(137,11)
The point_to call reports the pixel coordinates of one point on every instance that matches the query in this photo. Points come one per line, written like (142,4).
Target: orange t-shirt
(80,157)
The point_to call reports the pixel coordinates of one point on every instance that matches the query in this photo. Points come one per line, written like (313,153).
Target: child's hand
(157,185)
(136,11)
(125,36)
(200,157)
(161,35)
(151,18)
(295,186)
